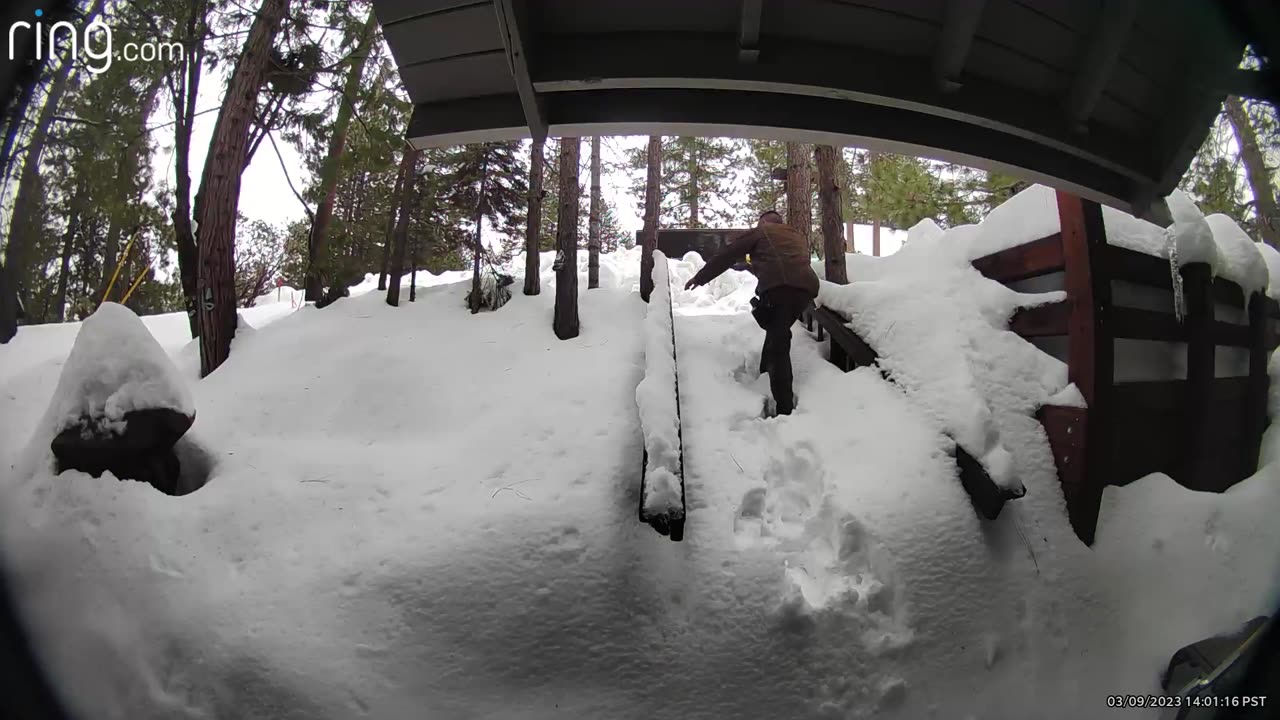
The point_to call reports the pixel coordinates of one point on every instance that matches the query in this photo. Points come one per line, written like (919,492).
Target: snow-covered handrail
(658,398)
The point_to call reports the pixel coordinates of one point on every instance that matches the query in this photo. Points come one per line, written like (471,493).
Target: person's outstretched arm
(732,253)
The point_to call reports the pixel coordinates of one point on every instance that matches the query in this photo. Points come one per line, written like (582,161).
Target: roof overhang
(1111,102)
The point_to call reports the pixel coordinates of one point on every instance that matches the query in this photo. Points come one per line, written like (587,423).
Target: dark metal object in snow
(849,351)
(142,451)
(1216,669)
(671,525)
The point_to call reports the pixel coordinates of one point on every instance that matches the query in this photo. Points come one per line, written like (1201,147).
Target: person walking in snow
(785,285)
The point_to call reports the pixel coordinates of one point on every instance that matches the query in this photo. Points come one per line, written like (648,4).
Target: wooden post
(1090,357)
(1195,466)
(1255,403)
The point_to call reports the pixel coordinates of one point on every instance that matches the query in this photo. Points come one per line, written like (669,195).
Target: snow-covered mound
(1271,257)
(115,367)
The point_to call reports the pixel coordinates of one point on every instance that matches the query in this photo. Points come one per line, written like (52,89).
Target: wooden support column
(1196,463)
(1082,450)
(1255,403)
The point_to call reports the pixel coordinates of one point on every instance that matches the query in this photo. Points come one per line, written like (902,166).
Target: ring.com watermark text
(95,44)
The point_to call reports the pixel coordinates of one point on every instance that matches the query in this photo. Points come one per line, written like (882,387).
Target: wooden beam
(1196,454)
(960,20)
(1039,257)
(749,31)
(1090,353)
(1138,324)
(1138,268)
(511,23)
(1255,410)
(1041,321)
(1115,20)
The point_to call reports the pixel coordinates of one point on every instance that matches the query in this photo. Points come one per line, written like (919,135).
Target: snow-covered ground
(419,512)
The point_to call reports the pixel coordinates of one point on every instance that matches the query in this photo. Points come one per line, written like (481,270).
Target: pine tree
(832,222)
(565,320)
(764,191)
(799,191)
(697,187)
(1266,195)
(652,211)
(220,190)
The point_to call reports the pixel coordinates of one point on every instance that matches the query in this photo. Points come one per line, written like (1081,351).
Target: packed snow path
(418,512)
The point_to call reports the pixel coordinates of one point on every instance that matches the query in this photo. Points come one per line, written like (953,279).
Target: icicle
(1175,274)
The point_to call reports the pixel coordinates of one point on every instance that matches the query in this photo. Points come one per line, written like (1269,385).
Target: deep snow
(656,399)
(418,512)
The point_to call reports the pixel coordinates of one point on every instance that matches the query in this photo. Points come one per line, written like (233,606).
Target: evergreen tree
(697,188)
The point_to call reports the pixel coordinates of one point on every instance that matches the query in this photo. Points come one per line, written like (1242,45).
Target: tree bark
(875,219)
(533,230)
(799,210)
(477,248)
(220,191)
(184,91)
(407,164)
(329,168)
(1255,169)
(649,233)
(68,244)
(593,219)
(694,220)
(413,273)
(389,234)
(8,306)
(565,321)
(832,222)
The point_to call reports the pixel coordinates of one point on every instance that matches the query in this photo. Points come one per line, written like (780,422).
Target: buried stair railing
(670,520)
(849,351)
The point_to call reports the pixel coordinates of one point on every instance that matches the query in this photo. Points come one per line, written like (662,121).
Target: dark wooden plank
(1041,321)
(1038,257)
(1228,293)
(856,352)
(1227,334)
(1066,429)
(1139,268)
(1090,349)
(1273,307)
(1193,471)
(1146,418)
(1255,399)
(1139,324)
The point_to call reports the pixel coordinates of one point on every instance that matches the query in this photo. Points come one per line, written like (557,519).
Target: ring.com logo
(95,44)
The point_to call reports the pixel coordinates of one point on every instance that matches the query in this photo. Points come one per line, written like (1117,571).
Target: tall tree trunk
(477,249)
(694,194)
(872,156)
(13,127)
(565,320)
(8,306)
(649,233)
(407,164)
(413,274)
(593,219)
(220,190)
(533,230)
(184,90)
(799,210)
(21,223)
(68,244)
(832,222)
(388,235)
(1255,169)
(329,168)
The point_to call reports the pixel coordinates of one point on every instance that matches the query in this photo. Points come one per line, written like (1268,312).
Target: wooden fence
(1203,429)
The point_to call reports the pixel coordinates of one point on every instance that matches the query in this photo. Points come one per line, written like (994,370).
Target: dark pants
(776,311)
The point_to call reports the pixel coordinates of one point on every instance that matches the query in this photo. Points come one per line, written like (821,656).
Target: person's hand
(693,283)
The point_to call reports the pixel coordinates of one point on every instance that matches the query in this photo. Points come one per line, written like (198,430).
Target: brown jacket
(779,258)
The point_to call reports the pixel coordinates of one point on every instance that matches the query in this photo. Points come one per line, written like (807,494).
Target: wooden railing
(1203,431)
(849,351)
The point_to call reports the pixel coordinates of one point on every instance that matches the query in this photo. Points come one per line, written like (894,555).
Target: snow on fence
(658,398)
(1118,329)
